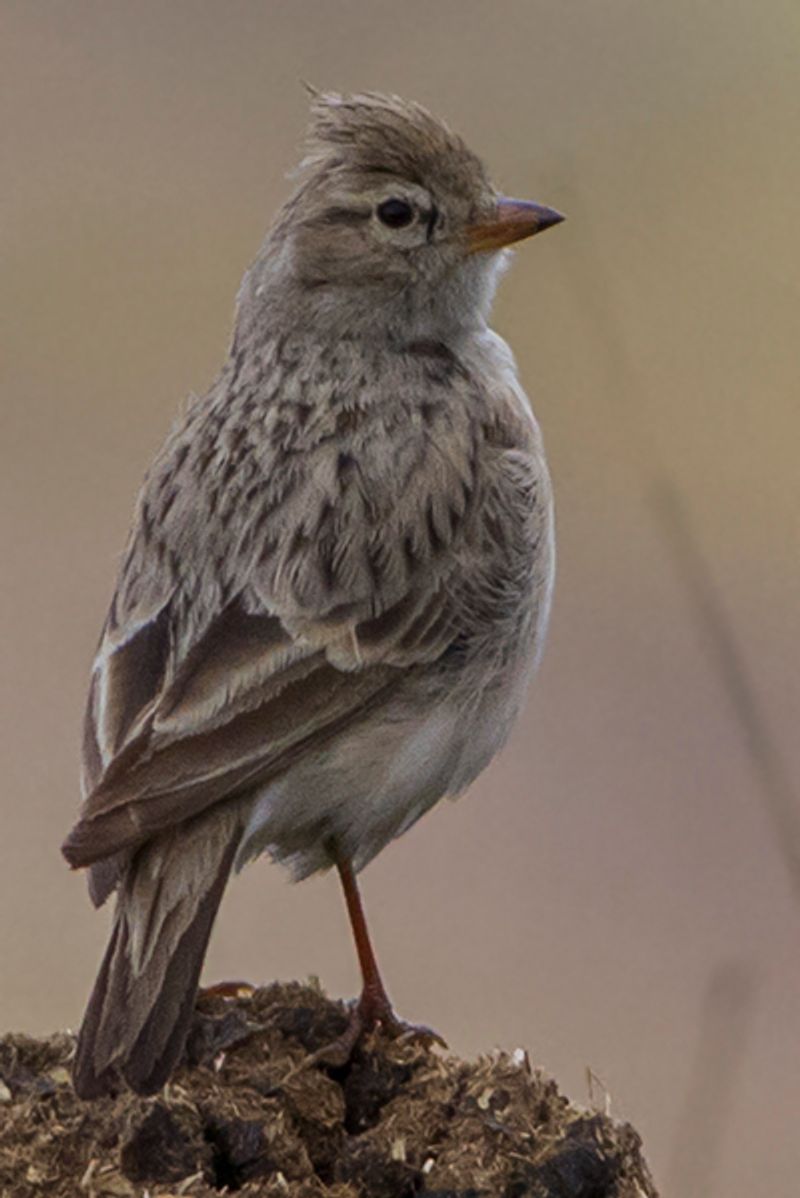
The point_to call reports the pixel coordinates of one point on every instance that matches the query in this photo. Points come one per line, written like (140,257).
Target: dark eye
(395,213)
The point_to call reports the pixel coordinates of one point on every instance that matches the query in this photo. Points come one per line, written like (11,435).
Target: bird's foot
(372,1012)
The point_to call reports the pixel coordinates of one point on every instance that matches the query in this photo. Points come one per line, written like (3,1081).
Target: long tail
(138,1016)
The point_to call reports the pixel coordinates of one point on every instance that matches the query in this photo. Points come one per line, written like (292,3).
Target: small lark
(338,577)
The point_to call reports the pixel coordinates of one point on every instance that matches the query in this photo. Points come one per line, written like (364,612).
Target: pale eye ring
(395,213)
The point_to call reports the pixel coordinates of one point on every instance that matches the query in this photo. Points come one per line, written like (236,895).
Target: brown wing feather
(244,704)
(227,654)
(233,657)
(192,773)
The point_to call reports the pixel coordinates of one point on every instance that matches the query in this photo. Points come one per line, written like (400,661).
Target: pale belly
(379,777)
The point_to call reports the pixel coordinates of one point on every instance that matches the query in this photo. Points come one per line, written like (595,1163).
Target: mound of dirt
(248,1112)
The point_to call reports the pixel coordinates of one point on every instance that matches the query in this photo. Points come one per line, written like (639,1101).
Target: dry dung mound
(249,1112)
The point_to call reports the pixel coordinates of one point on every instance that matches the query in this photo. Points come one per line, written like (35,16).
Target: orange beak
(513,220)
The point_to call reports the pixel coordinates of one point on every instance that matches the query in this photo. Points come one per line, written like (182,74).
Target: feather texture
(138,1014)
(337,578)
(271,632)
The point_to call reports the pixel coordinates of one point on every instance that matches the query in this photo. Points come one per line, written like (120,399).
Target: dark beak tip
(514,221)
(549,217)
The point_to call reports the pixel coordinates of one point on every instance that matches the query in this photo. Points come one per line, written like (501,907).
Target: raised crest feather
(368,131)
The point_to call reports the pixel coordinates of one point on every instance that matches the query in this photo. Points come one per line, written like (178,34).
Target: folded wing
(339,588)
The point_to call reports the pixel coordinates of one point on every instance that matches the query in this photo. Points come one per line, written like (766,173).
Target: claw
(364,1020)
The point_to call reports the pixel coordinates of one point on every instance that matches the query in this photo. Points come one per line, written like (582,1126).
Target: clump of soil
(249,1112)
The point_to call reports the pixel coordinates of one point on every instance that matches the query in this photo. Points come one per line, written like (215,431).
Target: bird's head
(395,224)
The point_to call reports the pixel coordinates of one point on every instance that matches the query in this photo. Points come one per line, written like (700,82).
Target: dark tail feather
(160,1042)
(135,1025)
(87,1081)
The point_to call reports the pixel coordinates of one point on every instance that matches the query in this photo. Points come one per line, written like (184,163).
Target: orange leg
(373,1008)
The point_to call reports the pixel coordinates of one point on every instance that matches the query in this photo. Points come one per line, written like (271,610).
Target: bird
(337,582)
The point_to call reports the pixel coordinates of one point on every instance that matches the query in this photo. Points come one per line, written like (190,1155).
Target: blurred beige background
(613,892)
